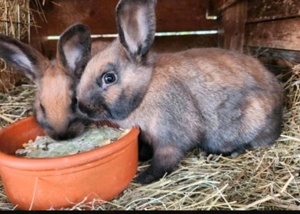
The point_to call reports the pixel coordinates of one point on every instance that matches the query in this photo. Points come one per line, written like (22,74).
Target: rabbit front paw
(146,177)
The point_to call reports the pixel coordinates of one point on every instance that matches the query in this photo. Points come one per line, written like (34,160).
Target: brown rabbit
(221,101)
(55,101)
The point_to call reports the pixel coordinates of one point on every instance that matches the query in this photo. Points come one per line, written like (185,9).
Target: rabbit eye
(109,78)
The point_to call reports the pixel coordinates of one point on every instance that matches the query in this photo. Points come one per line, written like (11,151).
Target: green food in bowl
(46,147)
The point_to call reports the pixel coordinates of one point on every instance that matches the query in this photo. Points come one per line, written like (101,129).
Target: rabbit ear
(74,48)
(136,24)
(22,58)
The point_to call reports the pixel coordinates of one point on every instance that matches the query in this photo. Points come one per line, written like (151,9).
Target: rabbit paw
(145,178)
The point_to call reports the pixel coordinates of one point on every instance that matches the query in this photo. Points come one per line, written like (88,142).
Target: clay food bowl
(44,183)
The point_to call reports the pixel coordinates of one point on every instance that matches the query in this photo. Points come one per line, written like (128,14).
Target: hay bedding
(260,179)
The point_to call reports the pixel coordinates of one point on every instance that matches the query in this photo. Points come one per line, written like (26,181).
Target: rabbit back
(219,100)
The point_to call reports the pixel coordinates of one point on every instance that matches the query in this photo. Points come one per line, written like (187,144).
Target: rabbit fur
(218,100)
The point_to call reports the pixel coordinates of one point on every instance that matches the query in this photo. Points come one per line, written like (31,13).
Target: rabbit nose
(83,108)
(59,137)
(64,136)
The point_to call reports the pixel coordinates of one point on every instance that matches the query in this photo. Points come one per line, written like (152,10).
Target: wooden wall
(268,29)
(99,15)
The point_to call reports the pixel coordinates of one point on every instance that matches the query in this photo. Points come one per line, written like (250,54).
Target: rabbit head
(111,94)
(221,101)
(55,99)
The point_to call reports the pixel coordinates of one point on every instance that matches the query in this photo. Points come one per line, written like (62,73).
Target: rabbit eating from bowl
(221,101)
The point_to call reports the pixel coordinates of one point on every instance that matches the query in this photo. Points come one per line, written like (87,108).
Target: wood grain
(282,34)
(266,10)
(185,15)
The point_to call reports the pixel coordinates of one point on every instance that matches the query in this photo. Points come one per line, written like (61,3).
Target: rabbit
(220,101)
(55,99)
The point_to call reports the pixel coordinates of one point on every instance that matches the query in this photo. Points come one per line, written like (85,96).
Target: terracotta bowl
(44,183)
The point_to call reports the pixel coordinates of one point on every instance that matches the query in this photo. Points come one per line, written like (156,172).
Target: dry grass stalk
(15,18)
(15,21)
(16,104)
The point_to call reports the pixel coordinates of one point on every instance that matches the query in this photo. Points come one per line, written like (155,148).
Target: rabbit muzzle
(93,112)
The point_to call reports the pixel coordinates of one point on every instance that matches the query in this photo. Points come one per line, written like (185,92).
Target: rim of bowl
(67,161)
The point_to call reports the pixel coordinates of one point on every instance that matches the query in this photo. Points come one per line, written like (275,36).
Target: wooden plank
(171,15)
(225,4)
(184,15)
(161,44)
(59,14)
(264,10)
(282,34)
(187,15)
(233,26)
